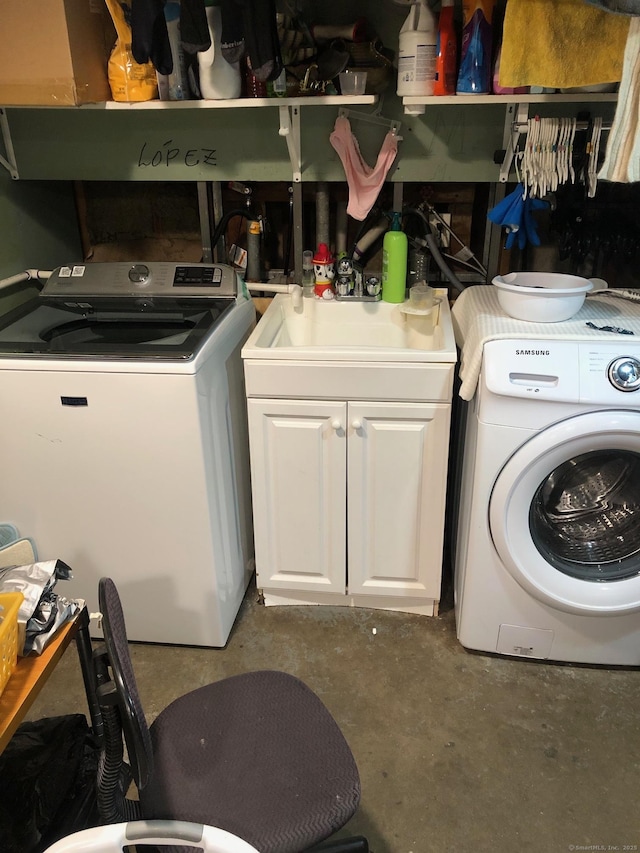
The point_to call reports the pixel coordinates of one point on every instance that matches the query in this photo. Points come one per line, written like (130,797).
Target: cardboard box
(54,52)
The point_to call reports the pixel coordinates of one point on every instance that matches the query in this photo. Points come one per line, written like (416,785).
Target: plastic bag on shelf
(129,81)
(42,611)
(47,783)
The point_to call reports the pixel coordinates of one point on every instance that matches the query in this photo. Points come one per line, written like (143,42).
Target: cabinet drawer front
(349,380)
(298,473)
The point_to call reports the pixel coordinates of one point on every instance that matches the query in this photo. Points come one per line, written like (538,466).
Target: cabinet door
(298,473)
(397,473)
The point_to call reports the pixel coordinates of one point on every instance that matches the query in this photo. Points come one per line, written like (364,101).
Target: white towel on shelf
(622,159)
(477,318)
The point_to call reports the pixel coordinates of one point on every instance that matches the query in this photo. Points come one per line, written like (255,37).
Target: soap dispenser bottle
(474,74)
(394,262)
(446,52)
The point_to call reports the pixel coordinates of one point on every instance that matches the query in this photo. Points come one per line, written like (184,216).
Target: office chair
(255,754)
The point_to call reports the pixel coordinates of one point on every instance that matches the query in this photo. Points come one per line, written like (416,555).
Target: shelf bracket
(515,116)
(9,162)
(290,129)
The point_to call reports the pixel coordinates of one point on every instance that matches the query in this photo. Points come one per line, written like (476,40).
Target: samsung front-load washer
(547,537)
(124,445)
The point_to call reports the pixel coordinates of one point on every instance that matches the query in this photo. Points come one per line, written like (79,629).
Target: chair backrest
(134,725)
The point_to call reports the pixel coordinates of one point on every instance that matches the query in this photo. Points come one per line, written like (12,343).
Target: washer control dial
(139,274)
(624,373)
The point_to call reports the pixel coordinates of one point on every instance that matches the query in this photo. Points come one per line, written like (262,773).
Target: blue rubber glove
(530,228)
(509,213)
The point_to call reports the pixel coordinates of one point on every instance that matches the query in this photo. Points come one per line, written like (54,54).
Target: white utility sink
(342,330)
(349,406)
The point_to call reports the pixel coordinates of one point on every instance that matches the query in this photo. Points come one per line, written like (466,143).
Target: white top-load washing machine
(124,446)
(547,534)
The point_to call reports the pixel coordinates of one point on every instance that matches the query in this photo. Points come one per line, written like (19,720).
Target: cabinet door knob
(336,424)
(356,424)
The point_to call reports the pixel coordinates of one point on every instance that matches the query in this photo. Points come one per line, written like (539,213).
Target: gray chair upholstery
(256,754)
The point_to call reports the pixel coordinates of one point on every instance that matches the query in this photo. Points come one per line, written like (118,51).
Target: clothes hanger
(372,118)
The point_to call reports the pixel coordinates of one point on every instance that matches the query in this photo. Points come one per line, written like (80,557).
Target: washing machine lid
(564,513)
(123,311)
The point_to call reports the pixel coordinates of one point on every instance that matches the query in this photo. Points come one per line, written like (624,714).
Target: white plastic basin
(541,297)
(333,330)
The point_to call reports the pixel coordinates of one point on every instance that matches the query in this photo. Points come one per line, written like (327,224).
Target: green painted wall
(451,143)
(37,230)
(54,146)
(447,143)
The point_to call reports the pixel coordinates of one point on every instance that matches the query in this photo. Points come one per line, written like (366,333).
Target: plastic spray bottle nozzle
(396,222)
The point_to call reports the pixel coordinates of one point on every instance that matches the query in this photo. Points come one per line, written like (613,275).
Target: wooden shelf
(229,103)
(28,678)
(581,97)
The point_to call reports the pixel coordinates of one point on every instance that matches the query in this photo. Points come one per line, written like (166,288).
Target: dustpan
(21,552)
(8,534)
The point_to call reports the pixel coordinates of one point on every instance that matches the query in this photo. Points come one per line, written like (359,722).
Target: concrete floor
(457,751)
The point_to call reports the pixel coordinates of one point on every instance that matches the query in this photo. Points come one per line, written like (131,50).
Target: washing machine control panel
(598,373)
(155,278)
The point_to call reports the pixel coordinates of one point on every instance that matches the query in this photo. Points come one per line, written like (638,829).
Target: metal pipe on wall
(322,213)
(254,261)
(204,211)
(298,233)
(341,229)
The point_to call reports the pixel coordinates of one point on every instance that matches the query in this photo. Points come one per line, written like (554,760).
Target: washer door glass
(564,514)
(584,517)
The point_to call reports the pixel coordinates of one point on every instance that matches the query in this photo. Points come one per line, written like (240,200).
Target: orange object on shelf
(446,52)
(9,606)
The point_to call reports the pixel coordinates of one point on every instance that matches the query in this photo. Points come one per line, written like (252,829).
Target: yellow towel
(560,44)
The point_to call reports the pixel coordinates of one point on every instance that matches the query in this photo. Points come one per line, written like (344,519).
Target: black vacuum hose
(451,277)
(219,230)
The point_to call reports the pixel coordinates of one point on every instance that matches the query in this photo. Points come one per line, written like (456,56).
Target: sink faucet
(351,285)
(294,290)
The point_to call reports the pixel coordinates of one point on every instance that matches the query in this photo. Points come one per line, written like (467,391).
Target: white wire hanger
(372,118)
(593,148)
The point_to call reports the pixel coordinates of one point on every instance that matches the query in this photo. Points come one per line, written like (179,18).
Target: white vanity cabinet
(349,500)
(349,416)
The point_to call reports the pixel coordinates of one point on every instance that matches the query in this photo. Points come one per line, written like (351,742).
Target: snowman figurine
(324,272)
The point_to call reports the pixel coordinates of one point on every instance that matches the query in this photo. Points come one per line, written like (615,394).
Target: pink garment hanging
(364,182)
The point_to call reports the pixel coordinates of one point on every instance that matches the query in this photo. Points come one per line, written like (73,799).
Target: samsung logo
(532,352)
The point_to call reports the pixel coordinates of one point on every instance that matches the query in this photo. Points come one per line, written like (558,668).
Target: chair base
(357,844)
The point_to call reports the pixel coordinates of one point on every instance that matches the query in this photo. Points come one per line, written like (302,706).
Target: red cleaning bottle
(446,52)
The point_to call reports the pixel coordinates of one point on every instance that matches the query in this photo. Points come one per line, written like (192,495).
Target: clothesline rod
(522,127)
(392,124)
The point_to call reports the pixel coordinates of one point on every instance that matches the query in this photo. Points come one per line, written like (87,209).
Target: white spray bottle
(417,51)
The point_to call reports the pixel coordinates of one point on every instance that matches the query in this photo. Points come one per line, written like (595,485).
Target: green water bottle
(394,262)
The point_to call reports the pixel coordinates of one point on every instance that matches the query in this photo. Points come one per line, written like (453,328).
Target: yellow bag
(129,80)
